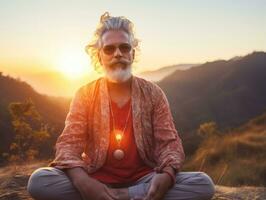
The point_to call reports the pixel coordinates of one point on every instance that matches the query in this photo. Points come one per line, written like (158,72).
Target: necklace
(118,154)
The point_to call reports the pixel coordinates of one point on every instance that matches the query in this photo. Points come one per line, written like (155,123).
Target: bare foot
(121,193)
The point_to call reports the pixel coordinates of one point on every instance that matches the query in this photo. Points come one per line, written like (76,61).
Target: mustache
(122,61)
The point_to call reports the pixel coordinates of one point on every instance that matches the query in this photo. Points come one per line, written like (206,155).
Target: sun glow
(73,65)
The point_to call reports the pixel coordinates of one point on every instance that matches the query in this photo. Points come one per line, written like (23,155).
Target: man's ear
(133,54)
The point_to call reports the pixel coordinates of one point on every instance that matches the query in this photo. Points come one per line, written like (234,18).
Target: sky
(42,40)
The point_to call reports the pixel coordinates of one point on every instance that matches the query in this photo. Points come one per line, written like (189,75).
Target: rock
(21,180)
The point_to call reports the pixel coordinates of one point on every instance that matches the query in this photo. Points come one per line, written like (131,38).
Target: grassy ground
(236,158)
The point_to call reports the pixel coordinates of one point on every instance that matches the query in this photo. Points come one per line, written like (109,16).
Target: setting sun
(73,65)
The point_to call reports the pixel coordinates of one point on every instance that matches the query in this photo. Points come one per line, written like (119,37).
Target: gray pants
(49,183)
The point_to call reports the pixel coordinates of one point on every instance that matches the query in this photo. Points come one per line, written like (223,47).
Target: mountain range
(159,74)
(52,109)
(228,92)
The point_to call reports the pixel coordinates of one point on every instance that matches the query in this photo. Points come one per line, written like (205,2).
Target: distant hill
(161,73)
(227,92)
(52,109)
(55,83)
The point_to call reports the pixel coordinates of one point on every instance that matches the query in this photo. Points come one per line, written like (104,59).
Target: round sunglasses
(123,48)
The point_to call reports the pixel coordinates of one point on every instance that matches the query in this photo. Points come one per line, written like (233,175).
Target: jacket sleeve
(71,143)
(168,145)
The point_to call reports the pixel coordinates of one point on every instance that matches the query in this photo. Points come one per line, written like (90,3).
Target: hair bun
(104,17)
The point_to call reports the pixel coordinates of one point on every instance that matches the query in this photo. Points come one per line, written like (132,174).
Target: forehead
(115,37)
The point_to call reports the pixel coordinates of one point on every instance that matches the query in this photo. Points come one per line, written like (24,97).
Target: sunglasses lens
(125,48)
(110,49)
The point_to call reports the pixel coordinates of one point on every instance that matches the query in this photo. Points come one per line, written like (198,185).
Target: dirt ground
(13,181)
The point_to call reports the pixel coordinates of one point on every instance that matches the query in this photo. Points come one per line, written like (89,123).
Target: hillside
(235,158)
(231,93)
(227,92)
(53,110)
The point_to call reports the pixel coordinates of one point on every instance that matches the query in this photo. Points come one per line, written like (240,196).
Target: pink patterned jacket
(85,138)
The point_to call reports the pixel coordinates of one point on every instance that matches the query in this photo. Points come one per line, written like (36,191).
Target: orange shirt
(131,167)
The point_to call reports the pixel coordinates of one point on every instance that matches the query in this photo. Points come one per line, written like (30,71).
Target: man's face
(116,55)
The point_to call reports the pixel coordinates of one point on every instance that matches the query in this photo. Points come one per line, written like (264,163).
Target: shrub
(30,132)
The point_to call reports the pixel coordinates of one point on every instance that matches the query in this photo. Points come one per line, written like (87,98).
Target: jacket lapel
(136,113)
(103,121)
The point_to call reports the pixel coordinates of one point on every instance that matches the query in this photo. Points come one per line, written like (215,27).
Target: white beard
(118,75)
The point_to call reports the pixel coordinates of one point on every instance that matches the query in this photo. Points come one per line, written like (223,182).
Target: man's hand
(160,184)
(88,187)
(94,190)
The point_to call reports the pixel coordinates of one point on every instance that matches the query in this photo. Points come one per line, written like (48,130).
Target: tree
(208,129)
(30,132)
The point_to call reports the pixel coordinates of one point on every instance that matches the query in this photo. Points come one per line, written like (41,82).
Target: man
(119,140)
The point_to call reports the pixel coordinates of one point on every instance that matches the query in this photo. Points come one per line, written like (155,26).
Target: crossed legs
(53,184)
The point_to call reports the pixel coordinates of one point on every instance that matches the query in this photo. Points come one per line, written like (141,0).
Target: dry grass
(239,193)
(235,159)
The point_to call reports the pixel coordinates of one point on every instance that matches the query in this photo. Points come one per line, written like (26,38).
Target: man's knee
(38,179)
(208,185)
(199,183)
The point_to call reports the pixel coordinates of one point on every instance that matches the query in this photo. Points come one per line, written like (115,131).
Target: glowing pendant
(118,137)
(119,154)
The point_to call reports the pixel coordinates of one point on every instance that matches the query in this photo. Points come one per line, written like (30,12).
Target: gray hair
(109,23)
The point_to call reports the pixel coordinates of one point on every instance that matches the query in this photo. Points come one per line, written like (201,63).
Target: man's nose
(117,52)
